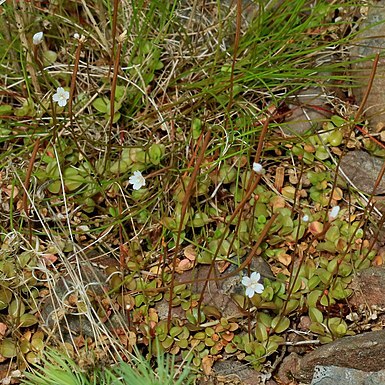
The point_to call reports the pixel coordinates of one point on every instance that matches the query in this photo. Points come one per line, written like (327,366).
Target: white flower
(61,96)
(252,285)
(137,180)
(305,218)
(334,213)
(257,167)
(81,38)
(37,38)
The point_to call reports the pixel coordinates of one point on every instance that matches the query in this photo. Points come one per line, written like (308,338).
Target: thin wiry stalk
(185,203)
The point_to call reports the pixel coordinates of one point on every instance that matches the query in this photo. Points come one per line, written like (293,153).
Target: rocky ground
(358,359)
(353,360)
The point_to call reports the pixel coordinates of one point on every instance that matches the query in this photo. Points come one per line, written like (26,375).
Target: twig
(299,343)
(368,89)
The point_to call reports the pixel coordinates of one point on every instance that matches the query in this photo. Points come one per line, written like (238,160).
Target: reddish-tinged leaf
(378,260)
(49,259)
(3,329)
(184,265)
(316,228)
(228,336)
(222,266)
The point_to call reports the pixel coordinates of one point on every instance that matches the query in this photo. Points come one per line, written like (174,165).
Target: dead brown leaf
(378,260)
(207,365)
(3,329)
(284,259)
(11,191)
(277,270)
(49,259)
(190,252)
(279,178)
(316,227)
(222,266)
(184,265)
(277,202)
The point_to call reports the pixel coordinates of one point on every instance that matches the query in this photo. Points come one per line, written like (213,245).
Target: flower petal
(250,292)
(258,288)
(334,213)
(255,276)
(137,180)
(257,167)
(37,38)
(246,281)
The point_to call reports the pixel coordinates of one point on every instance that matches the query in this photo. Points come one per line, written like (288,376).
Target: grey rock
(334,375)
(213,295)
(362,169)
(57,314)
(233,284)
(288,367)
(369,42)
(218,292)
(308,111)
(368,287)
(364,352)
(232,369)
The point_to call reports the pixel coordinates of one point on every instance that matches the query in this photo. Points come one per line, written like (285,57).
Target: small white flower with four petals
(37,38)
(252,285)
(333,214)
(137,180)
(257,167)
(61,96)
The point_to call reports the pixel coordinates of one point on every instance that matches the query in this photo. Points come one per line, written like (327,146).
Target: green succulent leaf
(16,308)
(317,328)
(258,350)
(120,166)
(27,320)
(6,109)
(324,275)
(268,293)
(101,105)
(335,138)
(119,92)
(264,318)
(175,331)
(5,298)
(291,305)
(54,187)
(261,332)
(156,152)
(8,348)
(314,282)
(72,179)
(333,234)
(337,326)
(280,324)
(315,315)
(167,342)
(196,126)
(326,339)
